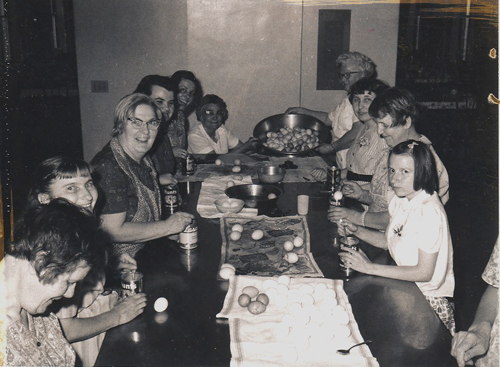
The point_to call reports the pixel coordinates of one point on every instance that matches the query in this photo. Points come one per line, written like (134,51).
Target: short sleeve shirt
(342,118)
(200,143)
(421,224)
(117,190)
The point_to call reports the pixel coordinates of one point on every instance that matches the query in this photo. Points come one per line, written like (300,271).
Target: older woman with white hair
(353,66)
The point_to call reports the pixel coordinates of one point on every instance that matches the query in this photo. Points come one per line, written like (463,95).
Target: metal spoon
(345,352)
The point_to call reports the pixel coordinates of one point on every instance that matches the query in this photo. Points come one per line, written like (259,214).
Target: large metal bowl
(254,195)
(276,122)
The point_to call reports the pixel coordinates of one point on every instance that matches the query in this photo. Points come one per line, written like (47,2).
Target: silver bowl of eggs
(255,196)
(291,134)
(229,205)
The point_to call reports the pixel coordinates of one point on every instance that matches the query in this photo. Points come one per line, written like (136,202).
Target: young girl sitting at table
(86,317)
(210,135)
(417,237)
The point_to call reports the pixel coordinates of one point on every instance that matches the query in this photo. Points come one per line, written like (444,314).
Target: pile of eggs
(230,203)
(292,257)
(292,140)
(255,302)
(311,315)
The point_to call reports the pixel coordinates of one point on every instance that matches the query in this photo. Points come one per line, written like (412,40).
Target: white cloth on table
(421,224)
(342,118)
(200,143)
(212,189)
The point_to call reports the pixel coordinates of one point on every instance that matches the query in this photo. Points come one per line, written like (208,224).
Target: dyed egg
(288,245)
(257,234)
(251,291)
(263,298)
(237,228)
(244,300)
(256,307)
(235,235)
(298,241)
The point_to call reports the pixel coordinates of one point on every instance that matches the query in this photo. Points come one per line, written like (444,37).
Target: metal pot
(276,122)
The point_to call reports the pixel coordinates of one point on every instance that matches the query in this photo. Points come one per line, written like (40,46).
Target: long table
(393,314)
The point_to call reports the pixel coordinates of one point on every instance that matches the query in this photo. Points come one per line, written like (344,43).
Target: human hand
(129,308)
(352,189)
(250,144)
(319,174)
(126,262)
(324,149)
(345,226)
(177,222)
(294,110)
(469,344)
(179,152)
(355,259)
(167,179)
(336,213)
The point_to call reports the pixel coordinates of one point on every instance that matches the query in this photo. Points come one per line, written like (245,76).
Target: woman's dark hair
(425,171)
(396,102)
(198,92)
(55,238)
(370,85)
(146,84)
(211,99)
(53,169)
(126,108)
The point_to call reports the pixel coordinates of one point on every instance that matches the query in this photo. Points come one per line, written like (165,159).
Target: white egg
(306,289)
(235,235)
(237,162)
(237,177)
(281,300)
(294,297)
(161,304)
(281,331)
(291,257)
(329,293)
(228,265)
(271,196)
(289,320)
(257,234)
(294,308)
(298,241)
(229,184)
(342,332)
(307,300)
(319,288)
(226,273)
(284,279)
(282,288)
(268,283)
(236,169)
(271,292)
(288,245)
(226,204)
(337,195)
(234,204)
(218,162)
(237,228)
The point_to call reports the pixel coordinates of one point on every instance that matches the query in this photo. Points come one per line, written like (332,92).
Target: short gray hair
(366,64)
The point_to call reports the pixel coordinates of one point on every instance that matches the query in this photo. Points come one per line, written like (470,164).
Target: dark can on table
(188,168)
(171,196)
(352,243)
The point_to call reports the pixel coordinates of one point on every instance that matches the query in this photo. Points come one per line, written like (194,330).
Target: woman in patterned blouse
(55,247)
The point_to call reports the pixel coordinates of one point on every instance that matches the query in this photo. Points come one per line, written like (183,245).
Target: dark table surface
(393,314)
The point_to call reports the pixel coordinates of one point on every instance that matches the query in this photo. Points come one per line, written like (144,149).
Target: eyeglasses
(348,74)
(218,113)
(139,124)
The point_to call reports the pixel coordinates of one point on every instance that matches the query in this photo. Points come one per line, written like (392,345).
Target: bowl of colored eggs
(229,205)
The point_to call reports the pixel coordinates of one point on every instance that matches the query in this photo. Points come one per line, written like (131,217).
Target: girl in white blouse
(418,236)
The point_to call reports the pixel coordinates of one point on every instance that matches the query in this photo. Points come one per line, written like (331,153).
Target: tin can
(131,283)
(171,196)
(188,166)
(352,243)
(188,238)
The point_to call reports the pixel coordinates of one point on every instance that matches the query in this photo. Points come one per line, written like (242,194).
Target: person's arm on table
(122,231)
(421,272)
(366,219)
(76,329)
(244,147)
(475,341)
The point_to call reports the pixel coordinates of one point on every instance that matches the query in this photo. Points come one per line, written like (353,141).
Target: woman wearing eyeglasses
(131,208)
(211,135)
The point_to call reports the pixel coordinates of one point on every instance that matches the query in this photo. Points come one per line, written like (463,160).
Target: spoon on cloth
(345,352)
